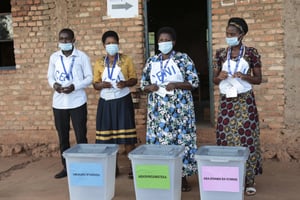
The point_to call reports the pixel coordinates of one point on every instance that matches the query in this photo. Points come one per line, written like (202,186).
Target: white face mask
(165,47)
(112,49)
(65,46)
(232,41)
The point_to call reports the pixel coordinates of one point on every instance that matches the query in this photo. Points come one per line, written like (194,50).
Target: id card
(231,92)
(109,94)
(163,92)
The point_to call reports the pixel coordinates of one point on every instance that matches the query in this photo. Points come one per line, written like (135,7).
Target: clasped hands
(66,90)
(154,87)
(105,84)
(224,74)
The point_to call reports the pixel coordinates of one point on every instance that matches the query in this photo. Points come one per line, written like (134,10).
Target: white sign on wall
(122,8)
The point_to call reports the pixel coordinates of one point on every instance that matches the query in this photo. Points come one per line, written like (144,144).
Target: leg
(250,186)
(62,124)
(128,148)
(185,186)
(79,120)
(117,166)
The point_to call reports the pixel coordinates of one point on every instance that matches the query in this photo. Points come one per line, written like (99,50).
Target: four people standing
(236,68)
(168,78)
(69,73)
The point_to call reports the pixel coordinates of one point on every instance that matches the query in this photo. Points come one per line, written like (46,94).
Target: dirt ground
(27,178)
(22,178)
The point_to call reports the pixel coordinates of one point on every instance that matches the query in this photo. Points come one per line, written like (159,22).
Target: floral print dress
(171,118)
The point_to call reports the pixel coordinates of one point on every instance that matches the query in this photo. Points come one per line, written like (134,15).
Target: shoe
(250,191)
(61,174)
(185,186)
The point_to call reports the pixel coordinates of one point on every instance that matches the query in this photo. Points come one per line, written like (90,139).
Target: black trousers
(62,119)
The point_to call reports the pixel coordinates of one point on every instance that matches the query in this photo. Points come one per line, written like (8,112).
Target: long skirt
(238,125)
(115,121)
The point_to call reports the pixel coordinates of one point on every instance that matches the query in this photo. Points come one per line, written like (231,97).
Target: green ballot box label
(152,176)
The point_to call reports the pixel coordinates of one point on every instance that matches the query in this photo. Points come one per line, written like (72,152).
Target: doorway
(190,21)
(7,56)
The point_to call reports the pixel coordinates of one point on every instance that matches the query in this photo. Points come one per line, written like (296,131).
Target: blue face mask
(65,46)
(232,41)
(165,47)
(112,49)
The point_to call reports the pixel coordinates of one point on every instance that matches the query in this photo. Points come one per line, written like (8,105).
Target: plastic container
(221,172)
(91,171)
(157,171)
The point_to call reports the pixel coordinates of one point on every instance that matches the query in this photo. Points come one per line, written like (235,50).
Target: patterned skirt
(115,121)
(238,125)
(171,121)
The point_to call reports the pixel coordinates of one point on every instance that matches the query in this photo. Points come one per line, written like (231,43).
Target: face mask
(65,46)
(165,47)
(232,41)
(112,49)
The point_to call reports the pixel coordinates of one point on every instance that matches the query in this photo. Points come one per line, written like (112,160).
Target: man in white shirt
(69,73)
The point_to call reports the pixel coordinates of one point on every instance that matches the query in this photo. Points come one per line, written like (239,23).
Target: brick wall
(26,97)
(267,33)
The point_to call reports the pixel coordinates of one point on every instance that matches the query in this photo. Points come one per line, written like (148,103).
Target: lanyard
(237,62)
(162,68)
(110,74)
(71,67)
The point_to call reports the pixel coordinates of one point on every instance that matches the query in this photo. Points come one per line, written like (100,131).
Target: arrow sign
(122,8)
(125,6)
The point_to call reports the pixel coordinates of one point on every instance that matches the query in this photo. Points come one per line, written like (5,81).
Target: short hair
(239,23)
(68,31)
(168,30)
(110,34)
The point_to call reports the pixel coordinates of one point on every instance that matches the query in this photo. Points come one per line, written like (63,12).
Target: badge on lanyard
(237,62)
(68,74)
(110,74)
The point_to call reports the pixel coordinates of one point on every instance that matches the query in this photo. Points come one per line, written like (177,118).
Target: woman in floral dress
(169,78)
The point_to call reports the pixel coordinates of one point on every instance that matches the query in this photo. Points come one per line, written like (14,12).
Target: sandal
(250,191)
(185,186)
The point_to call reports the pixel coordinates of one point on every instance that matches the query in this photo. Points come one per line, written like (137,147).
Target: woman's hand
(121,84)
(171,86)
(179,85)
(222,75)
(151,88)
(101,85)
(238,75)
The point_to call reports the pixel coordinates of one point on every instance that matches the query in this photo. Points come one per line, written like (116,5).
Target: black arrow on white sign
(121,6)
